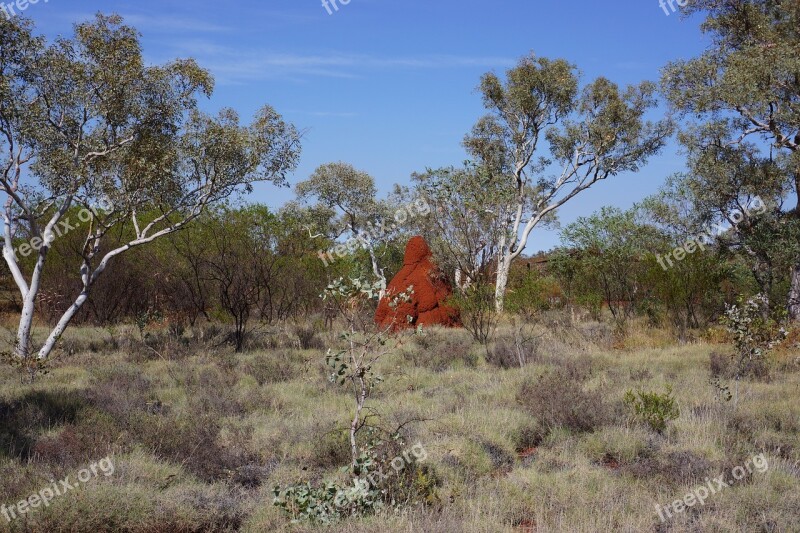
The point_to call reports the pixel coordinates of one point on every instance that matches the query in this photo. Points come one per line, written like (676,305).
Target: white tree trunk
(794,294)
(503,271)
(63,322)
(377,271)
(23,347)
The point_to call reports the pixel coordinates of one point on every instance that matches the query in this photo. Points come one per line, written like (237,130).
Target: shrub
(558,399)
(503,354)
(653,408)
(191,441)
(375,483)
(754,335)
(273,367)
(120,391)
(527,436)
(22,419)
(720,365)
(332,449)
(501,459)
(212,393)
(598,333)
(307,338)
(477,307)
(520,348)
(579,368)
(682,467)
(440,349)
(532,293)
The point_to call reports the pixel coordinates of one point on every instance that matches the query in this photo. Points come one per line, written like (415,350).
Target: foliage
(350,193)
(604,256)
(200,445)
(754,334)
(441,349)
(477,307)
(88,125)
(743,94)
(689,292)
(531,292)
(538,118)
(354,365)
(375,483)
(653,408)
(327,503)
(559,400)
(464,233)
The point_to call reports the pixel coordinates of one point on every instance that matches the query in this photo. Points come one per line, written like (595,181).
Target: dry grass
(200,437)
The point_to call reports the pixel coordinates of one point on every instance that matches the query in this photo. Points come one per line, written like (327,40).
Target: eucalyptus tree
(745,91)
(241,263)
(84,122)
(609,249)
(550,141)
(731,198)
(352,194)
(465,229)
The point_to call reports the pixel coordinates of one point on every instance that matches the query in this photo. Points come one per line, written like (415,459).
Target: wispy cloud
(333,114)
(155,24)
(236,66)
(159,23)
(175,36)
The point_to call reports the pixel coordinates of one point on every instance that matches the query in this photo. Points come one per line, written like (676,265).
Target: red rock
(427,305)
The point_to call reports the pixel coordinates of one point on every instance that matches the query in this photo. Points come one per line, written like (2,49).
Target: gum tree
(351,193)
(463,233)
(745,88)
(84,122)
(607,250)
(551,141)
(732,195)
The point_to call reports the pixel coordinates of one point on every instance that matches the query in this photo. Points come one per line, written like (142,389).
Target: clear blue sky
(389,85)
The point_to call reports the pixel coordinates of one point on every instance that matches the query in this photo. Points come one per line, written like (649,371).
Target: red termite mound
(427,305)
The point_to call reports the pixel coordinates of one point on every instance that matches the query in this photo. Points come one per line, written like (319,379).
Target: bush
(520,348)
(676,467)
(527,436)
(274,367)
(307,337)
(503,354)
(530,293)
(558,399)
(23,418)
(376,482)
(477,307)
(331,449)
(653,408)
(754,335)
(720,365)
(440,349)
(578,368)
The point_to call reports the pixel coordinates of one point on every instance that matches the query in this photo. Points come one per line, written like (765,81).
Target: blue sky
(389,85)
